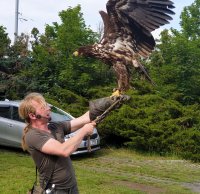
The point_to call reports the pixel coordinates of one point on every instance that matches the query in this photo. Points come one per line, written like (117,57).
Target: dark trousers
(73,190)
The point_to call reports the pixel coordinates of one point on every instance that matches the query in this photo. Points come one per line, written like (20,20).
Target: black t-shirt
(63,176)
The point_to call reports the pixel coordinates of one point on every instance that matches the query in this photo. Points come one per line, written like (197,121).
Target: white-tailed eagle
(127,35)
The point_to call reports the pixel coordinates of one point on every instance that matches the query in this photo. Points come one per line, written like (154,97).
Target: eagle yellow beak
(76,53)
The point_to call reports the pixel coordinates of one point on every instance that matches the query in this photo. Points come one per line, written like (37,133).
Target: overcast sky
(37,13)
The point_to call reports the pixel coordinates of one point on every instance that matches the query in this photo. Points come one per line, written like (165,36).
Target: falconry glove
(100,108)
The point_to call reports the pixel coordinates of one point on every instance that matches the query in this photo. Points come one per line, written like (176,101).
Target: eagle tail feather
(143,70)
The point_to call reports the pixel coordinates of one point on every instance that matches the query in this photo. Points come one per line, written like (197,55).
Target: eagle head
(86,51)
(76,54)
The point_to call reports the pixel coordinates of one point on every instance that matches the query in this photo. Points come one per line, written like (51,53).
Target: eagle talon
(116,93)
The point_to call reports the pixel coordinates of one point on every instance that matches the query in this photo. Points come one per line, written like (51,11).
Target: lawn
(108,171)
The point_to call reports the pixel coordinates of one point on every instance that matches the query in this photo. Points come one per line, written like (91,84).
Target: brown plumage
(127,35)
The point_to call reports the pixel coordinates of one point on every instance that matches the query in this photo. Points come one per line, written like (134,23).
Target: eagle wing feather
(139,18)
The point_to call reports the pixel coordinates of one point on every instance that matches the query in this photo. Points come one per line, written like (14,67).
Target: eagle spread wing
(127,35)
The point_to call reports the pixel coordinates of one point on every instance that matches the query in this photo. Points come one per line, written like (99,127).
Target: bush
(151,123)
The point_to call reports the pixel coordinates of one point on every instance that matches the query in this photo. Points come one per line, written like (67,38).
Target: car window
(15,115)
(58,115)
(5,112)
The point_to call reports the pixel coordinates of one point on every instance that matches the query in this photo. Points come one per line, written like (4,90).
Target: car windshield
(59,115)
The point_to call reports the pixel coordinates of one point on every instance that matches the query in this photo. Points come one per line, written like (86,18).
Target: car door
(10,129)
(5,123)
(16,130)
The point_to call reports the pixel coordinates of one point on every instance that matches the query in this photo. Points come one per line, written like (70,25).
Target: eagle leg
(122,74)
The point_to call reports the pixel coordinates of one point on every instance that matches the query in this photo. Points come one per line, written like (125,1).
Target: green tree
(17,58)
(176,66)
(190,18)
(4,42)
(12,59)
(54,64)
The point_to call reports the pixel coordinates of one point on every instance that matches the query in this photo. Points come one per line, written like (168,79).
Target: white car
(11,127)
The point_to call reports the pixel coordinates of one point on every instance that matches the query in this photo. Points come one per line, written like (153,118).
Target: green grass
(108,171)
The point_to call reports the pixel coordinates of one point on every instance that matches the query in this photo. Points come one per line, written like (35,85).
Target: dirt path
(141,187)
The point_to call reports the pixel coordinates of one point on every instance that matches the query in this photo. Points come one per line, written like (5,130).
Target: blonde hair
(25,108)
